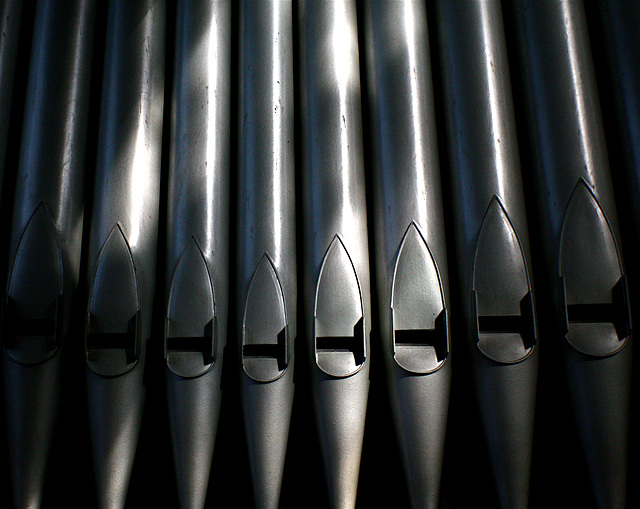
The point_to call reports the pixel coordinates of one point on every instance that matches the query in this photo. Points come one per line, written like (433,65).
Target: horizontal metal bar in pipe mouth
(490,234)
(411,258)
(197,270)
(45,237)
(337,295)
(266,239)
(578,236)
(121,267)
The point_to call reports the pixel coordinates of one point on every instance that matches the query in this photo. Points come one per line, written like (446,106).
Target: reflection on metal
(113,335)
(580,266)
(264,329)
(190,332)
(408,225)
(491,236)
(45,236)
(338,318)
(502,292)
(122,247)
(593,287)
(197,239)
(266,282)
(418,318)
(337,293)
(33,317)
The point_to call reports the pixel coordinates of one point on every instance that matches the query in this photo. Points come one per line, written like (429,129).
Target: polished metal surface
(46,237)
(411,259)
(266,289)
(490,236)
(123,235)
(197,271)
(229,431)
(577,235)
(337,298)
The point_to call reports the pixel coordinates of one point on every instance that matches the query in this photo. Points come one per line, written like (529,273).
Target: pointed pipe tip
(31,403)
(30,501)
(600,390)
(420,406)
(115,415)
(192,491)
(341,407)
(342,469)
(28,495)
(267,410)
(267,469)
(191,498)
(194,411)
(113,462)
(507,396)
(267,495)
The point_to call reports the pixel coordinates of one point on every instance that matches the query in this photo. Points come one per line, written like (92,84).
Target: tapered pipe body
(266,267)
(123,235)
(490,236)
(411,259)
(46,238)
(337,299)
(616,23)
(198,240)
(578,237)
(10,17)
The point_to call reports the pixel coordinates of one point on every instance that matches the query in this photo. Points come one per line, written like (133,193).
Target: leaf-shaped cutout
(190,331)
(264,326)
(113,336)
(339,331)
(420,333)
(502,291)
(594,287)
(33,318)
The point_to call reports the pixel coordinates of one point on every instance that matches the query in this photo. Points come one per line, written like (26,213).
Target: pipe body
(46,238)
(123,236)
(266,271)
(198,240)
(411,259)
(582,270)
(337,294)
(616,24)
(491,238)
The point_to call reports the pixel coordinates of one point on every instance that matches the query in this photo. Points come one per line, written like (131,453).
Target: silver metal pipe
(266,278)
(337,298)
(491,237)
(198,240)
(583,271)
(616,23)
(46,238)
(123,236)
(411,258)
